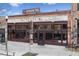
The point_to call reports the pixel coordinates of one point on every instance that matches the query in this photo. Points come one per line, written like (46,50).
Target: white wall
(38,18)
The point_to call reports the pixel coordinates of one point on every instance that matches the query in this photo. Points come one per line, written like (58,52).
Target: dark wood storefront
(21,32)
(49,37)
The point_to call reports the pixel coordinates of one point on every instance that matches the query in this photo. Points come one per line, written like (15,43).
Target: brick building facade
(48,28)
(73,25)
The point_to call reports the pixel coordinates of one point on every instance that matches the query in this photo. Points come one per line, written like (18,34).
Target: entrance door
(41,39)
(64,39)
(61,38)
(57,37)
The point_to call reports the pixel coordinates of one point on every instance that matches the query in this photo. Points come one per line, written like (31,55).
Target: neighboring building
(2,29)
(73,25)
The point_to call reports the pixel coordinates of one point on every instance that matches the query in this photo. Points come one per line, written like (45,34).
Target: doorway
(41,39)
(61,38)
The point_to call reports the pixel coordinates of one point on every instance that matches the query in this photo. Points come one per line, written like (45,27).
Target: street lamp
(6,40)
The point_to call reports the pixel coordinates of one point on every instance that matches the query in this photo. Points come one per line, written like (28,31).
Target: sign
(31,11)
(43,18)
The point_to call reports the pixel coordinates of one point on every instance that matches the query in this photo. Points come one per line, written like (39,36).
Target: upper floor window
(57,27)
(27,26)
(43,26)
(36,26)
(40,36)
(35,35)
(57,36)
(52,26)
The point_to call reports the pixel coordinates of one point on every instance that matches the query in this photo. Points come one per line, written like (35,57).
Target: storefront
(48,28)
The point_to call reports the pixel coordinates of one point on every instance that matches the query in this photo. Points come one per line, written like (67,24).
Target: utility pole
(6,33)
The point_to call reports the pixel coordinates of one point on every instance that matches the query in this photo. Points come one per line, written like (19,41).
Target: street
(20,48)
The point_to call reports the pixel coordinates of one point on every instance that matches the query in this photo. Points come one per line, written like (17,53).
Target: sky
(7,9)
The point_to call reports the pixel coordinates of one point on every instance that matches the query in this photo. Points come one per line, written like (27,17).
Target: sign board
(44,18)
(31,11)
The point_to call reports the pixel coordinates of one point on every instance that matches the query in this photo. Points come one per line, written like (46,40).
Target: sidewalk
(21,48)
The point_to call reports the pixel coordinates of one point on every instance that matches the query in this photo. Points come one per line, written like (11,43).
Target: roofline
(45,13)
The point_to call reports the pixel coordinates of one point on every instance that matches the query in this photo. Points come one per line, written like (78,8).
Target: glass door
(41,39)
(40,36)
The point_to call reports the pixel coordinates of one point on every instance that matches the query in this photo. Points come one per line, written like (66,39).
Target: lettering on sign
(39,19)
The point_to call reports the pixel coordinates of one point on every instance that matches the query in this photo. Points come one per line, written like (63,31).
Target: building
(73,26)
(2,29)
(48,28)
(59,27)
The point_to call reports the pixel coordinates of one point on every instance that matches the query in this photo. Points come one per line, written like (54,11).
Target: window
(48,36)
(27,27)
(57,36)
(2,36)
(57,27)
(52,26)
(35,35)
(18,26)
(36,26)
(13,32)
(40,36)
(44,26)
(78,35)
(9,26)
(20,34)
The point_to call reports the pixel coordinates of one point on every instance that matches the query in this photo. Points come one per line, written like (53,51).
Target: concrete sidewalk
(21,48)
